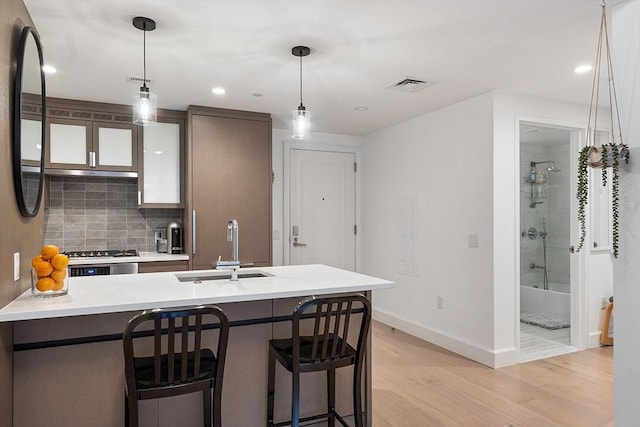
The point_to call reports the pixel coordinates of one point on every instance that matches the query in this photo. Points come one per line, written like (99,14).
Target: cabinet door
(115,146)
(231,178)
(68,144)
(160,166)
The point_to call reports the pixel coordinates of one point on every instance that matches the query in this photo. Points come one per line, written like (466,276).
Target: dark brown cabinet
(229,177)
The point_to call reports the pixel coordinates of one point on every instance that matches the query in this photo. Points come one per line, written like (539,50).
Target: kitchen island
(68,349)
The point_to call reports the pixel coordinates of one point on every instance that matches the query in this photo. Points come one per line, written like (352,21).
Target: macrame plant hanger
(602,154)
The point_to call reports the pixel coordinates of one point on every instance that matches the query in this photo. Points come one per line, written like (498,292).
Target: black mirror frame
(17,126)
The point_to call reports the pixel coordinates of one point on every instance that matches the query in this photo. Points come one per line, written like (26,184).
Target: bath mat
(544,322)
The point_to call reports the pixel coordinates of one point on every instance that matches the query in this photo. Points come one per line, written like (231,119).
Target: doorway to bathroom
(546,198)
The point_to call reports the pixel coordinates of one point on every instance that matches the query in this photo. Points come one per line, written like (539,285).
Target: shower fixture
(538,177)
(551,168)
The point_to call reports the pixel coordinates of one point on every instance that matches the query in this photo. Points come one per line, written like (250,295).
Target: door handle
(297,244)
(572,249)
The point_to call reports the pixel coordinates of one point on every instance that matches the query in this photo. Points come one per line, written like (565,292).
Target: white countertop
(142,257)
(130,292)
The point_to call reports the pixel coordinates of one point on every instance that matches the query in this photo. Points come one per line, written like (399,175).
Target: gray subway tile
(73,186)
(76,204)
(93,203)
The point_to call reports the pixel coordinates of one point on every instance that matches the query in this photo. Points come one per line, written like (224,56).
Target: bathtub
(556,302)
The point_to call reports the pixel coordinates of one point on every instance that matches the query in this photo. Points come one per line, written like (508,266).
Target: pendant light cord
(301,81)
(144,55)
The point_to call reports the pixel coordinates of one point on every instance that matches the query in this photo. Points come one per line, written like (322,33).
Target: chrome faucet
(232,236)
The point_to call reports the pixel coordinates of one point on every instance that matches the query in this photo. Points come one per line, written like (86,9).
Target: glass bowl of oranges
(49,275)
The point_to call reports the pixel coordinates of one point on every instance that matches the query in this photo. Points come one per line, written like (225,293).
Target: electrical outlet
(603,303)
(473,240)
(439,303)
(16,266)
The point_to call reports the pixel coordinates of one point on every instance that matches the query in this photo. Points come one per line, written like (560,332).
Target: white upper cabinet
(78,144)
(160,168)
(68,144)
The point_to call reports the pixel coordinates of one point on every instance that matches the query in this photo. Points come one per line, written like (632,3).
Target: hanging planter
(607,156)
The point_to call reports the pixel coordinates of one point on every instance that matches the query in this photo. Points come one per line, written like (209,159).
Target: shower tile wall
(555,208)
(90,213)
(559,215)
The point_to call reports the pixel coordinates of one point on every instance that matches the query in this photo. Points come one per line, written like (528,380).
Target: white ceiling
(358,48)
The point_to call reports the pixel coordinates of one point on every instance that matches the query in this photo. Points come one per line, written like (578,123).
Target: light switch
(276,234)
(16,266)
(473,240)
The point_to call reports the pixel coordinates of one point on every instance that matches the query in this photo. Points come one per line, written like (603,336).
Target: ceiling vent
(137,80)
(410,84)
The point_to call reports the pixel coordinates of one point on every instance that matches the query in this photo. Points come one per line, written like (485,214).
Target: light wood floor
(417,384)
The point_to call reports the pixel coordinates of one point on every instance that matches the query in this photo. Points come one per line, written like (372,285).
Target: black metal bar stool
(326,349)
(175,369)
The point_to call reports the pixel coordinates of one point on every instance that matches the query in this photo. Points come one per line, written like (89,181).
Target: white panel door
(322,208)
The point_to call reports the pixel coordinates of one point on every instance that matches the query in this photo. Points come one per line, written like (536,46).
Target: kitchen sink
(221,275)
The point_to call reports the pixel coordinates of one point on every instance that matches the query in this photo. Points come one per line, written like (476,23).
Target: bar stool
(172,371)
(325,350)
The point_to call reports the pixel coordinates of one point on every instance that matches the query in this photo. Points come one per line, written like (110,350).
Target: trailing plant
(583,192)
(614,198)
(611,155)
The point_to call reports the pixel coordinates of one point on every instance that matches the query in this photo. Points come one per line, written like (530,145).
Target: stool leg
(331,397)
(295,397)
(271,386)
(357,395)
(126,410)
(131,411)
(206,407)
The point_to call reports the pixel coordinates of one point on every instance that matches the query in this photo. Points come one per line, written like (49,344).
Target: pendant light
(301,118)
(144,102)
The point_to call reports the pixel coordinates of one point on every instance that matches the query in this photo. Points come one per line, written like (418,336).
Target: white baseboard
(493,359)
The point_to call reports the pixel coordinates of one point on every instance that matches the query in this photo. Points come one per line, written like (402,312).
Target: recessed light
(581,69)
(49,69)
(157,152)
(218,90)
(361,108)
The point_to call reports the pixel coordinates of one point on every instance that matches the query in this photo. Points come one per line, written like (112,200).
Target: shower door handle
(572,249)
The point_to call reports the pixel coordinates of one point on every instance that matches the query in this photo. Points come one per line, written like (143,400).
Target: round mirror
(29,124)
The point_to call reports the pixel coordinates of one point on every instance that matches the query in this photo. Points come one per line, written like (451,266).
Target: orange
(58,275)
(60,262)
(49,252)
(58,285)
(35,260)
(43,269)
(45,284)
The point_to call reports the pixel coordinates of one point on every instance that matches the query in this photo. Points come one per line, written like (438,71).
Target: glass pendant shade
(145,111)
(301,123)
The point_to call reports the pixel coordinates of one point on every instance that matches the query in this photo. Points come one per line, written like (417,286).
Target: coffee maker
(174,238)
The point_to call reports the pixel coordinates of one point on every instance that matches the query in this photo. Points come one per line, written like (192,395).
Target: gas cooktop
(102,253)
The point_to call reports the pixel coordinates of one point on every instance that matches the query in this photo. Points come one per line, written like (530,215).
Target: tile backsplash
(92,213)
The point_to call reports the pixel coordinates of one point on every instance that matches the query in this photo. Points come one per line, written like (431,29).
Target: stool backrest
(188,333)
(333,318)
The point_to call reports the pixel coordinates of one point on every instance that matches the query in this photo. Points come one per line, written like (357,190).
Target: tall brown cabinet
(229,176)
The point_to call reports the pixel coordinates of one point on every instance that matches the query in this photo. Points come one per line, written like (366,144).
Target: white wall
(442,164)
(459,169)
(318,141)
(626,270)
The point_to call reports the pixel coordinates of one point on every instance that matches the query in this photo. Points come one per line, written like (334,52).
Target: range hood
(90,172)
